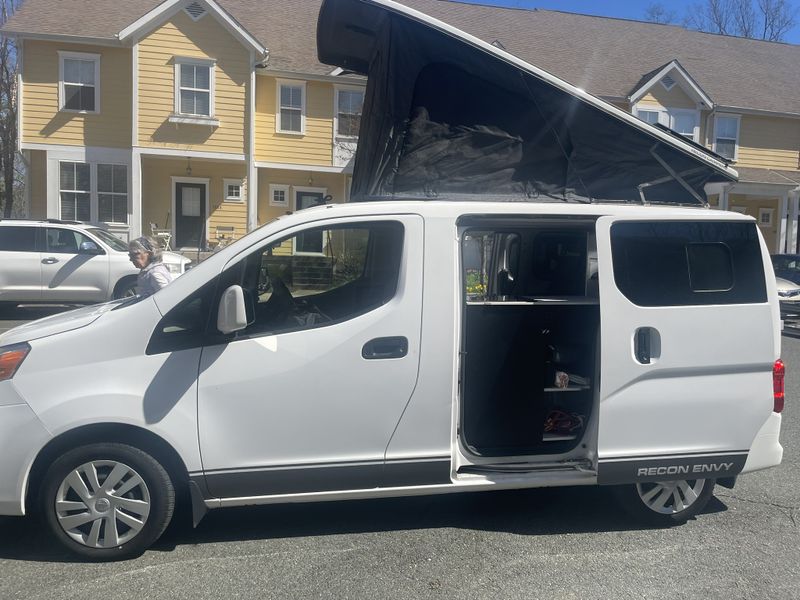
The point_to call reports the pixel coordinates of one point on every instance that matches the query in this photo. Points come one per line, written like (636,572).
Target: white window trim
(240,183)
(94,192)
(273,187)
(766,212)
(178,116)
(666,117)
(89,193)
(62,97)
(293,83)
(738,133)
(204,181)
(295,190)
(336,90)
(97,192)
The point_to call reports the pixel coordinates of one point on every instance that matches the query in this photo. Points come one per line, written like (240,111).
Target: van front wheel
(107,501)
(666,503)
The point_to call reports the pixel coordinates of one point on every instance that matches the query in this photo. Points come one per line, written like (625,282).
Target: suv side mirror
(232,313)
(89,248)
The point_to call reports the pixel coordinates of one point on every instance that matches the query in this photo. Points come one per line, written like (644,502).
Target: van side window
(688,263)
(319,277)
(184,326)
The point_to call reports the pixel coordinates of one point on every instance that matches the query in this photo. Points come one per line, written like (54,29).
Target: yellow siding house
(205,118)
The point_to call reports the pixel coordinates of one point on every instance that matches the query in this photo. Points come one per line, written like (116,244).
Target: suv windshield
(111,240)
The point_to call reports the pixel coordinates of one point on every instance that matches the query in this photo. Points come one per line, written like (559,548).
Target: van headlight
(11,358)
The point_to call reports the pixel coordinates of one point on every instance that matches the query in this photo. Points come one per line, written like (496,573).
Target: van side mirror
(232,312)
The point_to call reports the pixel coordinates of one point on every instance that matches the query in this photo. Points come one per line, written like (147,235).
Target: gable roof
(689,85)
(604,56)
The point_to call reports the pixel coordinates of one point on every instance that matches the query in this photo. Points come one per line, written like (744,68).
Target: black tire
(631,498)
(125,288)
(103,507)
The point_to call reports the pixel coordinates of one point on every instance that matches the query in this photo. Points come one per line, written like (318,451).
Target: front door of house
(190,215)
(309,243)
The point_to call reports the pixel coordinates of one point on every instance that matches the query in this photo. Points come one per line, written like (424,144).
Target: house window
(112,193)
(765,217)
(682,122)
(726,136)
(75,191)
(194,94)
(291,107)
(79,82)
(648,116)
(279,195)
(232,189)
(348,112)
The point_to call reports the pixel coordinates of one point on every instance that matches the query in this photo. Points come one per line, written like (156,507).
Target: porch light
(188,166)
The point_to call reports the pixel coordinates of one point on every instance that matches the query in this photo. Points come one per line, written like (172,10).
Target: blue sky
(625,9)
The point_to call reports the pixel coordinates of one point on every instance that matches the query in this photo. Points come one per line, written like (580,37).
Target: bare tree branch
(760,19)
(658,13)
(8,113)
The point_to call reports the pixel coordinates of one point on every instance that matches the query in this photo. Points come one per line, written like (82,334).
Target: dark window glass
(65,241)
(710,267)
(18,239)
(670,263)
(185,325)
(356,270)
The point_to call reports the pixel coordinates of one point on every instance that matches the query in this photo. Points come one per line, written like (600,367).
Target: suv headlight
(11,358)
(174,268)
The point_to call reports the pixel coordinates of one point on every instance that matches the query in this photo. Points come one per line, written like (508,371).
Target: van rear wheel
(666,503)
(107,501)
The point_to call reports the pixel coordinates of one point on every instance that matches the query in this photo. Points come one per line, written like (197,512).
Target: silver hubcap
(102,504)
(670,497)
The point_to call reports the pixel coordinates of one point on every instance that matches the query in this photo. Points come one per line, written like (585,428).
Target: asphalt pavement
(548,543)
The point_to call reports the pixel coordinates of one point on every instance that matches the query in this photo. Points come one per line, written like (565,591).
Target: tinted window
(353,270)
(185,325)
(685,263)
(65,241)
(18,239)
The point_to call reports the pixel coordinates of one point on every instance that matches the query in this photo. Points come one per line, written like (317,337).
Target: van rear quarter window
(679,263)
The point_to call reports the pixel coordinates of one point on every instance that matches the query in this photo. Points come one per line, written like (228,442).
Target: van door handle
(642,345)
(385,347)
(50,260)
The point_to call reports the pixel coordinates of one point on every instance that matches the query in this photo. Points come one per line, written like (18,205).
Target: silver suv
(67,262)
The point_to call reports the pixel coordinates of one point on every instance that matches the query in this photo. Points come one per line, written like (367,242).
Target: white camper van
(514,302)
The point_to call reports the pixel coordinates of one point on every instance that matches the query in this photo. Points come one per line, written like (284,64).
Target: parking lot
(549,543)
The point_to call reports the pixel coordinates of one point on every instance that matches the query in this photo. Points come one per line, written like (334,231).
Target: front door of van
(687,347)
(306,398)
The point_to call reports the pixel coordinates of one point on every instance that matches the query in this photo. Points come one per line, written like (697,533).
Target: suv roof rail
(63,222)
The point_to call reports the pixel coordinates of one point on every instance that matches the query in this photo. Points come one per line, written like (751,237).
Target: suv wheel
(666,502)
(107,501)
(126,288)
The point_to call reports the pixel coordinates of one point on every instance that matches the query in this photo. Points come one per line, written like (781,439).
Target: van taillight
(778,371)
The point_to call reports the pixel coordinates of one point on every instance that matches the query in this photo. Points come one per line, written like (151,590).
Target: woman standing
(145,254)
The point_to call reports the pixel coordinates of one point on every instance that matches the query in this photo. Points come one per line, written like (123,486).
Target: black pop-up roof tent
(448,116)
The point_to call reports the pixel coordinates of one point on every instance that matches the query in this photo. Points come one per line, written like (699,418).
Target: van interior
(531,320)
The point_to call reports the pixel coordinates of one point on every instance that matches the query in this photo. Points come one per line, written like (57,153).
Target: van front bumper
(21,437)
(766,450)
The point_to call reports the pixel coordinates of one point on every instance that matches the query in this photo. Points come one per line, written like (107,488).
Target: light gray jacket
(152,278)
